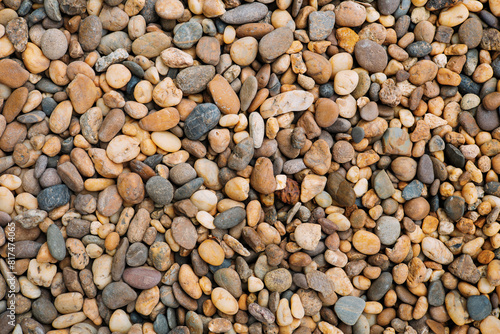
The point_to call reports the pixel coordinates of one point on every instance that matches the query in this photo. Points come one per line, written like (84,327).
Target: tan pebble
(117,76)
(211,252)
(366,242)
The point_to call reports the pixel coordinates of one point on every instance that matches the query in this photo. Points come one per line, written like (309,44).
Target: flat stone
(479,307)
(276,43)
(118,294)
(321,24)
(160,190)
(388,230)
(349,309)
(230,218)
(184,232)
(142,277)
(245,13)
(383,185)
(53,197)
(464,268)
(56,243)
(397,142)
(187,34)
(436,293)
(278,280)
(195,79)
(201,120)
(454,207)
(241,155)
(286,102)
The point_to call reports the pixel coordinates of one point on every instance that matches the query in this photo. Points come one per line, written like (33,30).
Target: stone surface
(349,309)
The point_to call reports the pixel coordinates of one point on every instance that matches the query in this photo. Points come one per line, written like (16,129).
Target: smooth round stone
(188,189)
(369,112)
(320,24)
(53,197)
(417,208)
(349,309)
(230,218)
(246,13)
(244,51)
(195,79)
(454,155)
(467,86)
(54,44)
(454,207)
(56,243)
(160,324)
(187,34)
(436,293)
(201,120)
(413,190)
(142,277)
(229,279)
(419,49)
(370,55)
(137,254)
(224,301)
(211,252)
(278,280)
(44,310)
(326,90)
(357,134)
(167,141)
(388,230)
(471,32)
(380,286)
(160,190)
(487,120)
(184,232)
(479,307)
(182,173)
(387,7)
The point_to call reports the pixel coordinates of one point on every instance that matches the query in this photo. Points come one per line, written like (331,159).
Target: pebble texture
(262,167)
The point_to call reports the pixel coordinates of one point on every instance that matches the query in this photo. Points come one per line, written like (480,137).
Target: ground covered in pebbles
(267,167)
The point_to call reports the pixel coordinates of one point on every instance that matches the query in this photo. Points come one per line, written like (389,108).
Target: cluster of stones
(213,166)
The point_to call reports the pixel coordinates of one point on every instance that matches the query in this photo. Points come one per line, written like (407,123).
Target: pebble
(55,242)
(246,13)
(388,230)
(278,280)
(380,286)
(159,190)
(307,236)
(141,278)
(276,43)
(230,218)
(54,44)
(233,151)
(194,79)
(201,120)
(53,197)
(187,35)
(436,250)
(320,25)
(349,309)
(370,55)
